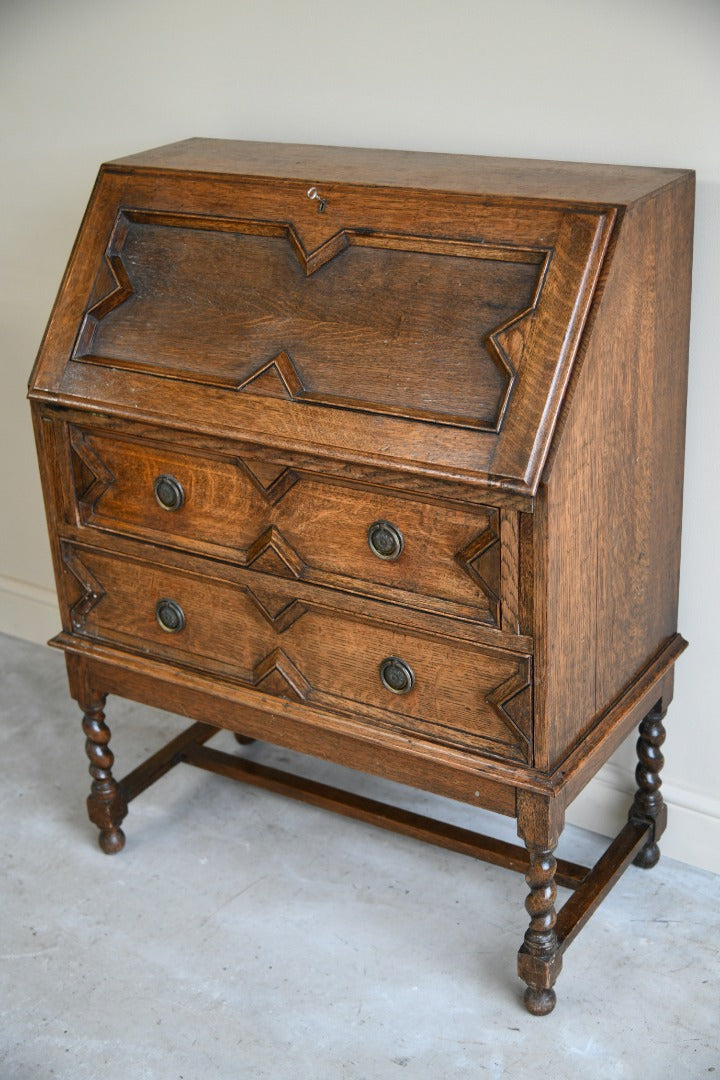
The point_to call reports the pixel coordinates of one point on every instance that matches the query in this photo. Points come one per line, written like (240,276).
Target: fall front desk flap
(421,317)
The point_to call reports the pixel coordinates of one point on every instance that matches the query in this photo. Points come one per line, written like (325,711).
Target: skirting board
(693,833)
(693,829)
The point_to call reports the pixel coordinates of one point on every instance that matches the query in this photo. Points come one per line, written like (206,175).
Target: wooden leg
(649,805)
(106,804)
(243,739)
(540,821)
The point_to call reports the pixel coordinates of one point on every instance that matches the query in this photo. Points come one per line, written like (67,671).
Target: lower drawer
(257,633)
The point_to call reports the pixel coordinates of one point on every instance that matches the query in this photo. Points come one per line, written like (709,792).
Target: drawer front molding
(459,694)
(281,521)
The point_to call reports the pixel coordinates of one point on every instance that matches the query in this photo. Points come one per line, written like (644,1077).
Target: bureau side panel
(610,509)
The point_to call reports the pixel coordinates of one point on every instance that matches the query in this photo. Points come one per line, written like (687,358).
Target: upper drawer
(428,329)
(254,510)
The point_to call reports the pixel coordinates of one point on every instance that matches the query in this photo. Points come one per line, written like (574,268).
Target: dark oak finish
(649,806)
(378,456)
(540,822)
(107,802)
(597,883)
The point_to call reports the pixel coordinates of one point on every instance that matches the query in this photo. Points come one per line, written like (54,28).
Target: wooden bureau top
(552,181)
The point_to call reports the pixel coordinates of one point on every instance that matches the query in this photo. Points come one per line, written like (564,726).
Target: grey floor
(240,934)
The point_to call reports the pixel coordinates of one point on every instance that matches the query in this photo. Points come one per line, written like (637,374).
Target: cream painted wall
(633,81)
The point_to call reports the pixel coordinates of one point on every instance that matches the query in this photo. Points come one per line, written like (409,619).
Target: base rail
(590,885)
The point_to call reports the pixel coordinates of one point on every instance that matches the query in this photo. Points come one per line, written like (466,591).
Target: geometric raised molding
(102,477)
(93,591)
(272,481)
(280,612)
(472,557)
(487,357)
(120,291)
(277,675)
(271,554)
(512,702)
(277,378)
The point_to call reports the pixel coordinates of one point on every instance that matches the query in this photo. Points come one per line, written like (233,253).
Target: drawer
(441,556)
(445,690)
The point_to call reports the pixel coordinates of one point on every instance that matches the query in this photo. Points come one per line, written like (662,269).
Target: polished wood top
(573,182)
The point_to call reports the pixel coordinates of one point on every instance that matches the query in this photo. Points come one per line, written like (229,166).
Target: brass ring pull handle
(170,616)
(396,675)
(168,492)
(385,540)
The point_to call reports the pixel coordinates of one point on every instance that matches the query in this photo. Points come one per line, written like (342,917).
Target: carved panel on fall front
(463,695)
(281,521)
(396,325)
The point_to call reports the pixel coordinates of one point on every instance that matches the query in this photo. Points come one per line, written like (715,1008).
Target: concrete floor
(243,935)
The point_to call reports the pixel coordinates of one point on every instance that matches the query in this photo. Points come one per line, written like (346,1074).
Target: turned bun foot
(539,1002)
(648,856)
(243,739)
(111,841)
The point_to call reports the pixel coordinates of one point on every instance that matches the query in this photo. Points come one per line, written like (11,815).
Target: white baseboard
(693,832)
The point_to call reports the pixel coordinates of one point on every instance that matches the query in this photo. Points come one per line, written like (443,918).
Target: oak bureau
(378,456)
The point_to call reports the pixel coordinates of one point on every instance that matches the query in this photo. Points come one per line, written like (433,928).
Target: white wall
(632,81)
